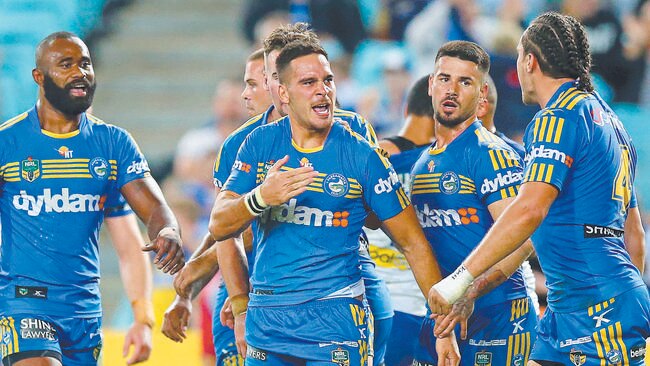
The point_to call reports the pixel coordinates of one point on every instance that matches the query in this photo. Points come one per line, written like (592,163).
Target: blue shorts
(332,332)
(403,339)
(499,335)
(610,332)
(72,341)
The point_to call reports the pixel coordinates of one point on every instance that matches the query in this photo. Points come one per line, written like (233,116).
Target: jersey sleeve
(116,205)
(552,142)
(224,162)
(384,193)
(131,163)
(248,169)
(498,174)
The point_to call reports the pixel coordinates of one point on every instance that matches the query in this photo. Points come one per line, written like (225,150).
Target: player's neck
(546,87)
(445,135)
(489,125)
(55,121)
(306,138)
(275,115)
(418,129)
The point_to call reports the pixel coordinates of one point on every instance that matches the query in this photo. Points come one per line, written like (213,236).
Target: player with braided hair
(577,200)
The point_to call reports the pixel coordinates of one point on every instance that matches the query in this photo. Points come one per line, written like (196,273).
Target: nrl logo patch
(30,169)
(483,359)
(577,357)
(341,357)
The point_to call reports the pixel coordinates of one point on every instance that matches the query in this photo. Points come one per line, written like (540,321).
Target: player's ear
(38,76)
(283,93)
(430,89)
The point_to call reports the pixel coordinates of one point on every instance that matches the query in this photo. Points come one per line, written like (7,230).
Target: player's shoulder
(569,104)
(14,124)
(486,140)
(239,135)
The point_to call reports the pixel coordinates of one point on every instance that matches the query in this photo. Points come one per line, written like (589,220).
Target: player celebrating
(306,285)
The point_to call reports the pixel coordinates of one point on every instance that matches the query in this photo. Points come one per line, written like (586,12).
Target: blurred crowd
(378,48)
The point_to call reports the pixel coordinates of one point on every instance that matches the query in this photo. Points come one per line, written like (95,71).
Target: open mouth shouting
(78,88)
(322,109)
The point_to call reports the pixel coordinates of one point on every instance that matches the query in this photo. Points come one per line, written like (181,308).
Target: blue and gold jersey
(578,145)
(54,190)
(451,189)
(307,248)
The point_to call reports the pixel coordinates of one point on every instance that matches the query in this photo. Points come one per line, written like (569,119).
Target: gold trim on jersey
(600,306)
(539,172)
(244,125)
(548,129)
(609,338)
(10,172)
(55,135)
(306,150)
(569,98)
(8,337)
(13,121)
(503,159)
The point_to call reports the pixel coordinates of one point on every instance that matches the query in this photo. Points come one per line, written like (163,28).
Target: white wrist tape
(254,202)
(452,287)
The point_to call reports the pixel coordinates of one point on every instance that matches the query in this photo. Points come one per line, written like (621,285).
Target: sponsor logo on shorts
(337,343)
(577,357)
(31,292)
(449,183)
(341,356)
(484,343)
(256,353)
(614,357)
(483,359)
(637,352)
(31,328)
(258,291)
(571,342)
(336,185)
(421,363)
(30,169)
(518,360)
(595,231)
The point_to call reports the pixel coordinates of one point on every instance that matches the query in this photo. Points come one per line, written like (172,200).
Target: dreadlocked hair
(559,43)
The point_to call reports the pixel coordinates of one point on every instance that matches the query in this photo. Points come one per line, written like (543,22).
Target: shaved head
(45,44)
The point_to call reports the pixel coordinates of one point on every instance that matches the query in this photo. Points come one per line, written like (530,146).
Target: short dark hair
(48,40)
(418,101)
(294,50)
(285,34)
(467,51)
(559,43)
(258,54)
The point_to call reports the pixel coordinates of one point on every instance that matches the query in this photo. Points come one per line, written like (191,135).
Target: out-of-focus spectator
(385,106)
(605,34)
(339,19)
(637,35)
(439,22)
